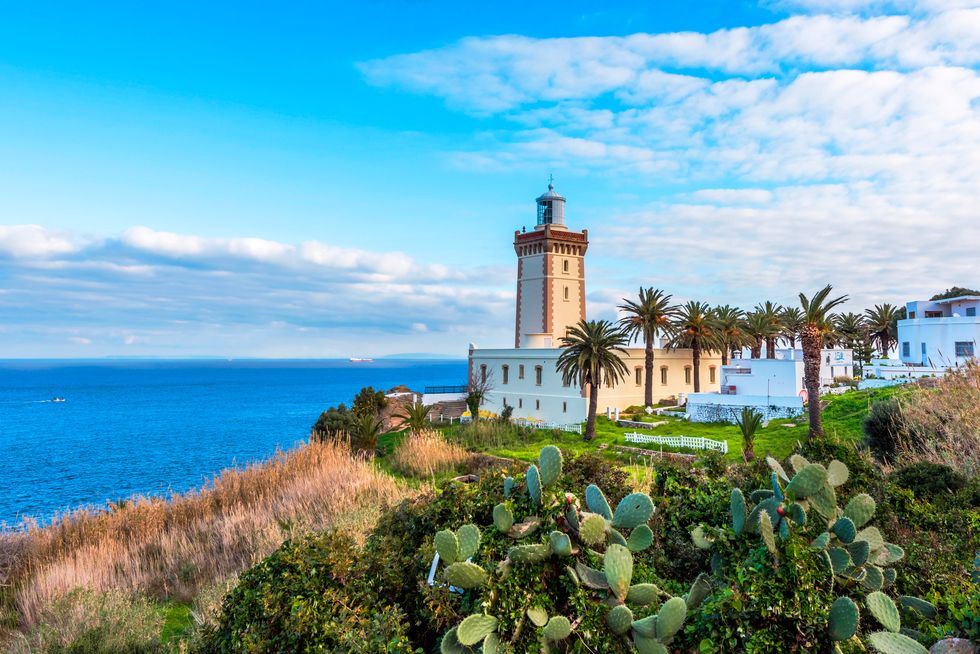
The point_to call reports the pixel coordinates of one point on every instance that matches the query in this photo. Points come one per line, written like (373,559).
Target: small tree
(480,386)
(748,422)
(365,435)
(369,402)
(333,423)
(593,351)
(818,323)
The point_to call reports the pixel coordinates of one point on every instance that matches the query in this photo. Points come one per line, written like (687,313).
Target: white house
(834,362)
(773,387)
(939,333)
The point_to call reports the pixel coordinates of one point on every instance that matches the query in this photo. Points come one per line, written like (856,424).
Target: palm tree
(772,313)
(881,321)
(816,313)
(693,328)
(728,327)
(792,321)
(367,428)
(646,319)
(415,416)
(591,356)
(850,328)
(748,423)
(758,328)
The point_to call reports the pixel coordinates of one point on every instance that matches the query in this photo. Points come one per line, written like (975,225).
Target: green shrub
(86,622)
(307,597)
(883,429)
(928,480)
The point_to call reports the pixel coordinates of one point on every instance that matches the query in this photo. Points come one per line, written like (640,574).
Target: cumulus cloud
(23,241)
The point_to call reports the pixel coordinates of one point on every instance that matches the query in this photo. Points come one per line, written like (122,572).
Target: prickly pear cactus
(592,550)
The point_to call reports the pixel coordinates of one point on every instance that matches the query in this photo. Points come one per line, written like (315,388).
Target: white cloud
(33,241)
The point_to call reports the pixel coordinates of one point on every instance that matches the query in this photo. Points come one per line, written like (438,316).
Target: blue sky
(345,178)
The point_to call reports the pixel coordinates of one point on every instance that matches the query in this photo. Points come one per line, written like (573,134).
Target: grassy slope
(842,419)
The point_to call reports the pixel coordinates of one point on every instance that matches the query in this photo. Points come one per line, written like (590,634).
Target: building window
(711,374)
(483,373)
(923,346)
(971,312)
(505,402)
(663,375)
(639,376)
(687,374)
(520,371)
(934,314)
(906,349)
(566,294)
(911,315)
(964,348)
(520,403)
(538,374)
(564,266)
(504,374)
(564,407)
(537,404)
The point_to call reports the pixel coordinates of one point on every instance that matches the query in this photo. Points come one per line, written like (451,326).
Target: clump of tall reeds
(941,424)
(427,453)
(171,548)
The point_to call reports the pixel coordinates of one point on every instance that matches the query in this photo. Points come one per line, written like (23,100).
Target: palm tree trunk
(648,362)
(812,344)
(593,406)
(757,348)
(771,347)
(725,353)
(696,355)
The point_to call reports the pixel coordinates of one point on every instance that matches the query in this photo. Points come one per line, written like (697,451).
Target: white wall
(940,336)
(764,377)
(713,407)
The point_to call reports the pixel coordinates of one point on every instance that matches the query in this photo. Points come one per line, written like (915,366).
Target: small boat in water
(57,399)
(360,360)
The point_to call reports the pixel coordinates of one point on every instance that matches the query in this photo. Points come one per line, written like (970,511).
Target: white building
(834,362)
(773,387)
(550,299)
(940,333)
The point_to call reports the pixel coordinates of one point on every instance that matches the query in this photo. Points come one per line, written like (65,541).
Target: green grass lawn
(842,419)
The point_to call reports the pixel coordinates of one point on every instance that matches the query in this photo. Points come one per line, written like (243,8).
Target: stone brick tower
(550,276)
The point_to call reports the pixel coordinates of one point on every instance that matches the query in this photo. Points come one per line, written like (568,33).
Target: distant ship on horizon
(361,360)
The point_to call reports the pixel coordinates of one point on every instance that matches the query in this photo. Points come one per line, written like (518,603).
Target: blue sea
(154,427)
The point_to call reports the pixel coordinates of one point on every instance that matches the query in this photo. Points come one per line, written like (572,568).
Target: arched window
(564,266)
(538,375)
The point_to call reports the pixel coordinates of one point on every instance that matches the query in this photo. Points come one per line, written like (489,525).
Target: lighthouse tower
(550,276)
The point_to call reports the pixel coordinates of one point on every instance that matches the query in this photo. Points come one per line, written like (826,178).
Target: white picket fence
(575,428)
(691,442)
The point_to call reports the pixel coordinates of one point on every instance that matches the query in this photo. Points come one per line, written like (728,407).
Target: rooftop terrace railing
(434,390)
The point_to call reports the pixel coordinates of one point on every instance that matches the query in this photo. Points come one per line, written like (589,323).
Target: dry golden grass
(426,454)
(944,422)
(170,549)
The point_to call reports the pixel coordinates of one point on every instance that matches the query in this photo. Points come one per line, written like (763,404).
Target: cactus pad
(888,642)
(765,530)
(892,553)
(509,484)
(450,644)
(737,503)
(593,529)
(925,609)
(845,530)
(777,467)
(642,594)
(503,519)
(860,509)
(466,575)
(571,517)
(632,511)
(874,579)
(528,553)
(590,577)
(807,482)
(560,543)
(447,545)
(890,576)
(825,502)
(873,536)
(468,537)
(558,628)
(700,589)
(618,566)
(700,539)
(475,628)
(671,618)
(614,537)
(491,644)
(640,539)
(649,645)
(538,616)
(859,551)
(533,479)
(619,619)
(840,560)
(837,473)
(646,627)
(596,501)
(797,513)
(844,619)
(821,541)
(550,461)
(798,462)
(884,610)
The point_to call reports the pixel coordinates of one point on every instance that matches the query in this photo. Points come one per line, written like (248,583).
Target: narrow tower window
(505,373)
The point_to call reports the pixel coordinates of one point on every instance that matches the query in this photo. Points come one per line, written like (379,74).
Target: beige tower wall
(531,291)
(567,291)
